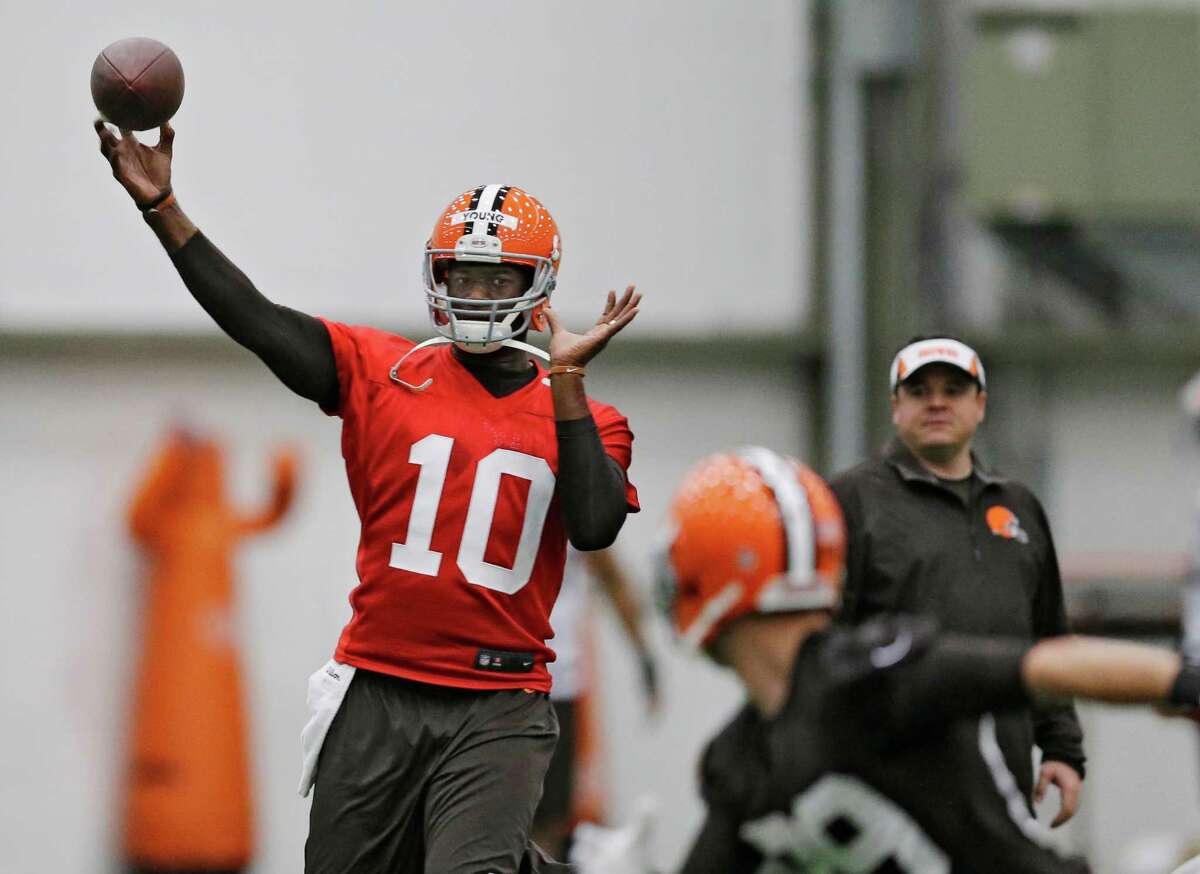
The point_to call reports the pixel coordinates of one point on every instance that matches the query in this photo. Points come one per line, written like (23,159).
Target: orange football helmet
(492,224)
(750,531)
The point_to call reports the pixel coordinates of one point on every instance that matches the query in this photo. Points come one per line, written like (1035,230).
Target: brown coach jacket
(984,567)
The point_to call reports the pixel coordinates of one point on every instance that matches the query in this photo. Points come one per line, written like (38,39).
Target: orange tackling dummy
(188,802)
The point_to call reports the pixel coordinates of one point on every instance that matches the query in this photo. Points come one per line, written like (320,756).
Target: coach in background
(931,530)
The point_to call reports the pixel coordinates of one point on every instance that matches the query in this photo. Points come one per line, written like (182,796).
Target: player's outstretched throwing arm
(928,679)
(591,484)
(294,345)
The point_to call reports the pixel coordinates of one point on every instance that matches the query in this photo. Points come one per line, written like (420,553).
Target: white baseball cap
(939,350)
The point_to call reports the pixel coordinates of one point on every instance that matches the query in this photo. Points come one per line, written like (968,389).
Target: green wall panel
(1028,126)
(1149,109)
(1090,116)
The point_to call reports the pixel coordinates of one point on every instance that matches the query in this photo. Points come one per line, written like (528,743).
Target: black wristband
(158,201)
(1185,691)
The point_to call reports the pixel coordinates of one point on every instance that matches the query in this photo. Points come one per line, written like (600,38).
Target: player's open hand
(144,171)
(1067,780)
(578,349)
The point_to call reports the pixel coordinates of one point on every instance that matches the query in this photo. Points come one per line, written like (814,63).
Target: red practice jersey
(462,547)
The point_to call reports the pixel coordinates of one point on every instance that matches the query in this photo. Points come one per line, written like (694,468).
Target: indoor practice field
(819,220)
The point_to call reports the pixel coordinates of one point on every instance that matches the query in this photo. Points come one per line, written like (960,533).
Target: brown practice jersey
(883,760)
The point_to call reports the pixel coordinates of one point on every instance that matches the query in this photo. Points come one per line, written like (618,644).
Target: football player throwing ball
(470,466)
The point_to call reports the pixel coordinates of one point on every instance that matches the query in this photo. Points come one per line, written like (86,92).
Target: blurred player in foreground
(470,467)
(567,796)
(865,749)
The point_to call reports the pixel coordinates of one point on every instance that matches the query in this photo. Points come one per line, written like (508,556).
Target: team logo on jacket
(1004,523)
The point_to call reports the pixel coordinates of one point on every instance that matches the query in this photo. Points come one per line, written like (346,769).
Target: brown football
(137,83)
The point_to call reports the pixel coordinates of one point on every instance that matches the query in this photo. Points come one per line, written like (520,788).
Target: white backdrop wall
(318,143)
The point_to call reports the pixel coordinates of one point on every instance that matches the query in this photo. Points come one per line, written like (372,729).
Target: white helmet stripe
(780,477)
(487,202)
(712,613)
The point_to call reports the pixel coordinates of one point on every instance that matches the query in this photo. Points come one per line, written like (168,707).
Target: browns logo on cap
(939,350)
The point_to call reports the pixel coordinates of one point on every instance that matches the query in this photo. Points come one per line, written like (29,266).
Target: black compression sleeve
(1185,691)
(959,676)
(591,486)
(294,345)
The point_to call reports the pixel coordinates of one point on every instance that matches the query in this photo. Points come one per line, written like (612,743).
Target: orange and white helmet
(750,531)
(492,224)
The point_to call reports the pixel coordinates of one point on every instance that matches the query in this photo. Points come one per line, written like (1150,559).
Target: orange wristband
(560,369)
(160,202)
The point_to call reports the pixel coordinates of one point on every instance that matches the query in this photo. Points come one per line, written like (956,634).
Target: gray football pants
(422,779)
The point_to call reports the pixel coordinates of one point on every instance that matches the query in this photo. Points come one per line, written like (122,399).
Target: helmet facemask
(482,326)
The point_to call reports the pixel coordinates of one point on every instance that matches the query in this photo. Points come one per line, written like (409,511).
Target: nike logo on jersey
(894,652)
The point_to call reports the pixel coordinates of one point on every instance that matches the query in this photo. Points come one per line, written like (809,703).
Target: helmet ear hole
(537,319)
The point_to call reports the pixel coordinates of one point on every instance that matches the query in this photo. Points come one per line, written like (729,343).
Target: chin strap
(432,341)
(526,347)
(437,341)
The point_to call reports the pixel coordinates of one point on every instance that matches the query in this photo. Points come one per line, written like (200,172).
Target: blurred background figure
(1189,399)
(574,790)
(933,531)
(188,801)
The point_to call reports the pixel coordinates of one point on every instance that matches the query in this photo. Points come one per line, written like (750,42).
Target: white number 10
(432,453)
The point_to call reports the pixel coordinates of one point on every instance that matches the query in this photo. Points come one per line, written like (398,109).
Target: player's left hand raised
(578,349)
(1068,781)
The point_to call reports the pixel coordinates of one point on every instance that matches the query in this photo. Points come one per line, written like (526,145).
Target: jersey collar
(473,386)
